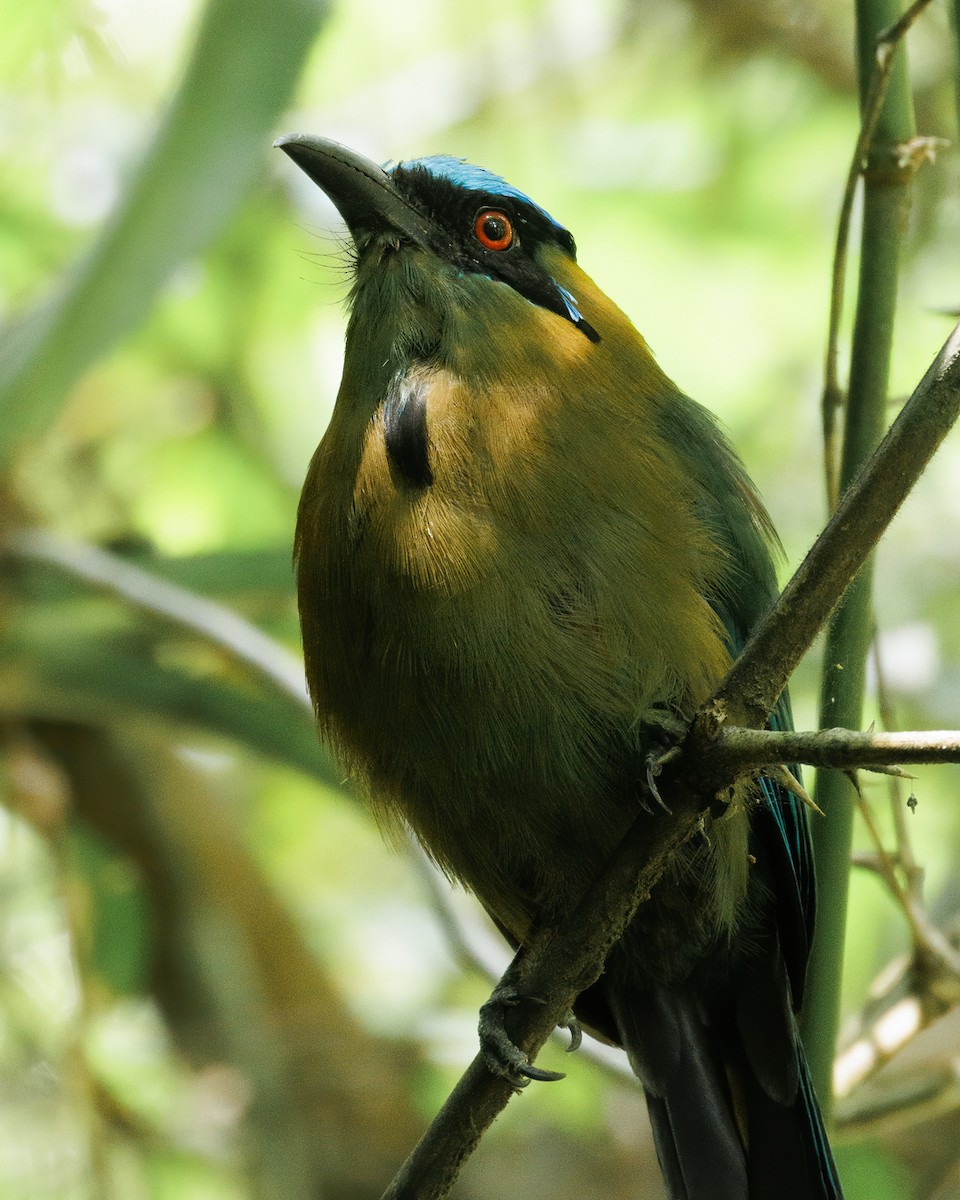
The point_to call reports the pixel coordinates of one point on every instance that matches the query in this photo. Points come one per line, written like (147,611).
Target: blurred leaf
(234,976)
(235,573)
(114,681)
(246,61)
(868,1173)
(118,919)
(178,1177)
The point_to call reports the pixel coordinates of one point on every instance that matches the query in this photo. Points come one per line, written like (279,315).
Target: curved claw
(576,1032)
(500,1054)
(666,730)
(654,767)
(538,1073)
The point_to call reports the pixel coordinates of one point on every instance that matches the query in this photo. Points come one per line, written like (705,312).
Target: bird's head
(439,239)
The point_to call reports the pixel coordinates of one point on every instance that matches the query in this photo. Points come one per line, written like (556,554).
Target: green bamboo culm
(886,202)
(954,10)
(207,149)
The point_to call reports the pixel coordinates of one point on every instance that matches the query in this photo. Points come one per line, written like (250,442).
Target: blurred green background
(216,983)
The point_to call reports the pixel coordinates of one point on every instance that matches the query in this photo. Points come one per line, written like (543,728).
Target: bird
(523,557)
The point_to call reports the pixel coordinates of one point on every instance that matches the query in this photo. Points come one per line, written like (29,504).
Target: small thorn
(788,780)
(896,772)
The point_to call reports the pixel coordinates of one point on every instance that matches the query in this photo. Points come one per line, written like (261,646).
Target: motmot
(523,556)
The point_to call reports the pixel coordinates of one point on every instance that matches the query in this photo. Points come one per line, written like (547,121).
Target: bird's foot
(500,1053)
(664,731)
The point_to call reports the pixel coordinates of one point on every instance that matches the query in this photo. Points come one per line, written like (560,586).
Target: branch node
(917,151)
(711,719)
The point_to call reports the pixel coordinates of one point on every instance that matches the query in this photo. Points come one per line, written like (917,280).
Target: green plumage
(521,552)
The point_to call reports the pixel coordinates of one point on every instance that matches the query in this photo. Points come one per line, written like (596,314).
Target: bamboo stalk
(886,199)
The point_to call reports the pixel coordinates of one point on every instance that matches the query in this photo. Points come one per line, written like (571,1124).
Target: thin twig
(759,675)
(928,940)
(918,1101)
(907,997)
(832,400)
(743,750)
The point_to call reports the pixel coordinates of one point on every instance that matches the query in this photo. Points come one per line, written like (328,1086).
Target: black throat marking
(405,431)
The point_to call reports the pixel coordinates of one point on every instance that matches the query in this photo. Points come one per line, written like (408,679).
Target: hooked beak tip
(289,139)
(363,192)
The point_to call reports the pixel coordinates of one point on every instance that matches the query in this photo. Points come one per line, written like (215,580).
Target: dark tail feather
(789,1152)
(700,1151)
(686,1066)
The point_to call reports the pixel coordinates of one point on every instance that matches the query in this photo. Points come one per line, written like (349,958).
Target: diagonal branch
(760,674)
(562,962)
(560,965)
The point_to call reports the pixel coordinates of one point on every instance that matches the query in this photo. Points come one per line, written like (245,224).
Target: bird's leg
(663,732)
(501,1055)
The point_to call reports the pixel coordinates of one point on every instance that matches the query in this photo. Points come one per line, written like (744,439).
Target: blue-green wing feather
(782,828)
(731,509)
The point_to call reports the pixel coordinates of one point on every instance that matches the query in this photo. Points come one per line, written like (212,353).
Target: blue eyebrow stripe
(473,178)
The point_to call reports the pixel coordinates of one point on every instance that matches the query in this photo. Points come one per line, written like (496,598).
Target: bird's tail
(723,1129)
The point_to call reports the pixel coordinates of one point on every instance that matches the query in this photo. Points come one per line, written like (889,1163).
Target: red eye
(493,229)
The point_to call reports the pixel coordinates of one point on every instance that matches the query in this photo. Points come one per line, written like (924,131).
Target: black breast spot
(405,431)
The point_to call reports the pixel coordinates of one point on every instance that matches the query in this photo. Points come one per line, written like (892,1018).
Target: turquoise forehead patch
(473,179)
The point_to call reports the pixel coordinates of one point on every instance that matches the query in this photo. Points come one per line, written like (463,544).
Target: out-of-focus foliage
(218,984)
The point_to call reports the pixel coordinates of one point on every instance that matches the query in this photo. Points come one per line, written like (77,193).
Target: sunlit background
(216,982)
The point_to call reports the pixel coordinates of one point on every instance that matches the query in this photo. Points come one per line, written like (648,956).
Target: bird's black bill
(364,194)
